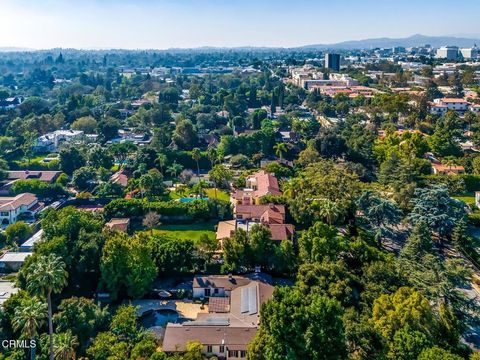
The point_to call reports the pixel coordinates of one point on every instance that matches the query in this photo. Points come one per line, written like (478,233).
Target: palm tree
(161,161)
(280,149)
(28,317)
(146,183)
(450,161)
(328,210)
(291,187)
(212,156)
(196,155)
(219,175)
(64,346)
(174,169)
(198,188)
(47,276)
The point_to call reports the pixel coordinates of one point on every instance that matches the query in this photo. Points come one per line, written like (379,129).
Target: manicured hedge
(169,210)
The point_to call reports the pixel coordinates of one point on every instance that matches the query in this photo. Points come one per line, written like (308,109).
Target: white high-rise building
(448,52)
(470,53)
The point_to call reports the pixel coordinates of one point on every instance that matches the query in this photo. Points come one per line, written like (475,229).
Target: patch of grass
(187,231)
(221,195)
(467,198)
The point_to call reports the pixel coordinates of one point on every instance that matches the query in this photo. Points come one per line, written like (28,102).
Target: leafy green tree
(87,124)
(406,307)
(144,349)
(48,276)
(299,327)
(236,250)
(161,161)
(84,177)
(172,255)
(82,317)
(322,181)
(17,232)
(106,346)
(124,324)
(448,129)
(71,158)
(185,136)
(320,242)
(109,189)
(108,128)
(99,157)
(407,344)
(437,353)
(151,184)
(126,266)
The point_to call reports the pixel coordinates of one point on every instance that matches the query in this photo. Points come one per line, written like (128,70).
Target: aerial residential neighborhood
(254,180)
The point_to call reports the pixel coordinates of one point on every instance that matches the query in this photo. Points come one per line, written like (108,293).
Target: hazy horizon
(184,24)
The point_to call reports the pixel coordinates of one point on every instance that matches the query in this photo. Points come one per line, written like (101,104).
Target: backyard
(187,231)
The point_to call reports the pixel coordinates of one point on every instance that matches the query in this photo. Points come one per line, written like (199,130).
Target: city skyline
(164,24)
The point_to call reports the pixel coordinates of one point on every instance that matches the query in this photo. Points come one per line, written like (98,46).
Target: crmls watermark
(19,344)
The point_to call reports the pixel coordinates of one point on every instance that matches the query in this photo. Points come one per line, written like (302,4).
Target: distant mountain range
(13,48)
(411,41)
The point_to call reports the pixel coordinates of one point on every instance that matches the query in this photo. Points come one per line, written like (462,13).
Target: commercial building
(448,52)
(470,53)
(332,61)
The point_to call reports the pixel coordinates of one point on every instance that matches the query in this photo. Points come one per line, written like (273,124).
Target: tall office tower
(332,61)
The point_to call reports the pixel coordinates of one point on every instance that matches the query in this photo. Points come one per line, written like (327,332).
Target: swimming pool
(159,318)
(190,199)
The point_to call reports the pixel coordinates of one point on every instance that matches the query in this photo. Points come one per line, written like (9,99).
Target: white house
(12,207)
(51,141)
(441,106)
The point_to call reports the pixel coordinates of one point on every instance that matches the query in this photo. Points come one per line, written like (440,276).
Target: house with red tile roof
(246,216)
(120,177)
(258,185)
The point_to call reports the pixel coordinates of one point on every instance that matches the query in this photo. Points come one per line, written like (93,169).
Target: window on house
(243,353)
(215,291)
(222,349)
(207,292)
(209,349)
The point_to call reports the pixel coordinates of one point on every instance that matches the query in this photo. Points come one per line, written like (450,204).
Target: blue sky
(145,24)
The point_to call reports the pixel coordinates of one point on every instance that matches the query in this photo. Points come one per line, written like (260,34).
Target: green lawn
(221,195)
(467,198)
(187,231)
